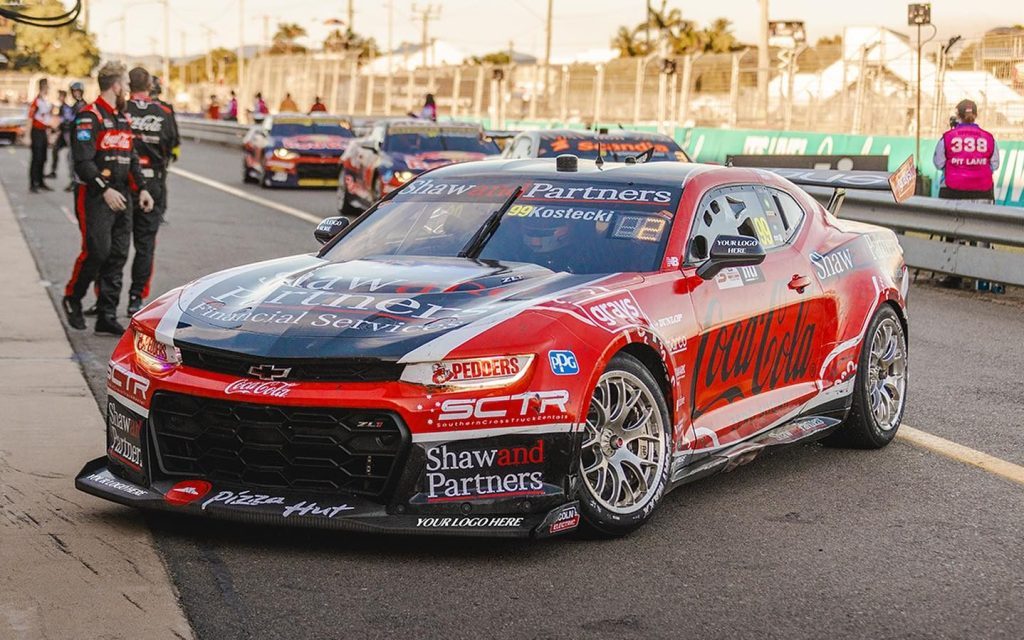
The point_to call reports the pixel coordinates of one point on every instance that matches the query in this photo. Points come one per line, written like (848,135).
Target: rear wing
(901,183)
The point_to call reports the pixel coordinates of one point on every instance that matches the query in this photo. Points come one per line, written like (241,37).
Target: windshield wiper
(484,233)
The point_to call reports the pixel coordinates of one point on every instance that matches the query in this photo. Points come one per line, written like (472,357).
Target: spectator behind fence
(288,105)
(213,110)
(232,114)
(318,106)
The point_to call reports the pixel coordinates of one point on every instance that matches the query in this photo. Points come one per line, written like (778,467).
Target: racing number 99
(520,210)
(764,233)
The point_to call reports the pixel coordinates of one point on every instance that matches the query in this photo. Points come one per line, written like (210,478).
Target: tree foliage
(65,51)
(338,41)
(666,26)
(284,40)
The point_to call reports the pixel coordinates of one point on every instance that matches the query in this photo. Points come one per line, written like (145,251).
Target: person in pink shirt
(967,156)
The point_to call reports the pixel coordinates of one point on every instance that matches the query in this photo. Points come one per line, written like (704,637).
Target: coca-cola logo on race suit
(114,141)
(150,123)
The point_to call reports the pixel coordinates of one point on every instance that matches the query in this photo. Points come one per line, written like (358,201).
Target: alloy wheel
(624,450)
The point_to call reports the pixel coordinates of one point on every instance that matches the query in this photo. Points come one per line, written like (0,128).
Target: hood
(432,159)
(314,144)
(306,307)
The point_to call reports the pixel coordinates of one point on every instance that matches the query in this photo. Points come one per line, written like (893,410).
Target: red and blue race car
(396,151)
(293,150)
(514,348)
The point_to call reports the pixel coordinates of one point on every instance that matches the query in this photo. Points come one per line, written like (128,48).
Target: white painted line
(67,214)
(238,193)
(935,444)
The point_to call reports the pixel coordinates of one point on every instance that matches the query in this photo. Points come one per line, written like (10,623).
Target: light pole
(918,15)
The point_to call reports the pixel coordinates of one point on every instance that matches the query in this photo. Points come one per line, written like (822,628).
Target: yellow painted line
(935,444)
(238,193)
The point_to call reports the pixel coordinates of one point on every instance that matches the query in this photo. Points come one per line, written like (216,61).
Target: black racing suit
(155,134)
(103,154)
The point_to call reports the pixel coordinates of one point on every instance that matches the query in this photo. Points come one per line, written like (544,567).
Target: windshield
(309,127)
(420,138)
(563,225)
(613,148)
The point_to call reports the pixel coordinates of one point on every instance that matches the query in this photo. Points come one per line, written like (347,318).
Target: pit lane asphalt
(803,543)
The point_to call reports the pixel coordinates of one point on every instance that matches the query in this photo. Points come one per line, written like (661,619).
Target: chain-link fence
(865,85)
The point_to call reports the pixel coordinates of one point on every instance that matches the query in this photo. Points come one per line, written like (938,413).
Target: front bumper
(324,511)
(305,171)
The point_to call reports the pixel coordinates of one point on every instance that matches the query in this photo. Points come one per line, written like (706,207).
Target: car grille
(322,171)
(300,370)
(269,446)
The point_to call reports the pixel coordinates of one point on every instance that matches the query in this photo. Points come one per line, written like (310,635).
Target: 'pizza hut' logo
(614,313)
(187,491)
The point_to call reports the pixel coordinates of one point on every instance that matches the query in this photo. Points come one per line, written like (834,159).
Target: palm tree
(627,43)
(719,38)
(284,39)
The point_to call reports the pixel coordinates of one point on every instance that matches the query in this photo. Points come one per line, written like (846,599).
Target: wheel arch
(653,362)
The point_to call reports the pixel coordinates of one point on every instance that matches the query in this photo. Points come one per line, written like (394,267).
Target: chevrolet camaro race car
(613,147)
(396,151)
(513,348)
(293,150)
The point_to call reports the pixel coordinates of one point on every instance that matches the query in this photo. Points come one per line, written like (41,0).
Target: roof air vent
(566,162)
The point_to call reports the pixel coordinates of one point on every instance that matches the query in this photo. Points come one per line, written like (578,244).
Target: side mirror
(370,145)
(731,251)
(328,228)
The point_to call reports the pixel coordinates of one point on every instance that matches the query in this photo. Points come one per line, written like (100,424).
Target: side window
(734,211)
(792,214)
(516,150)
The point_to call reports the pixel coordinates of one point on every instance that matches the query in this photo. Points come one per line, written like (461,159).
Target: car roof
(671,174)
(454,124)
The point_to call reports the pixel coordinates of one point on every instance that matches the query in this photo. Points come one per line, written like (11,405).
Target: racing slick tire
(247,174)
(625,455)
(880,387)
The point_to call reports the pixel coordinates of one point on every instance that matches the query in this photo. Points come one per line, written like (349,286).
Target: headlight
(285,154)
(469,373)
(404,176)
(155,356)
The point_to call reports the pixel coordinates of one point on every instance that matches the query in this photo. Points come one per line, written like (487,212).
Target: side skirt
(799,431)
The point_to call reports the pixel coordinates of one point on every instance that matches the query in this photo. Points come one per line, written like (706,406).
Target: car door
(757,359)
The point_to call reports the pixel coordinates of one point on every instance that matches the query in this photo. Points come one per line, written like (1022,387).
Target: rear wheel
(625,455)
(880,389)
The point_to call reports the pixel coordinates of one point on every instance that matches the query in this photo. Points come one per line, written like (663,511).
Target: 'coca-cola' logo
(271,389)
(149,122)
(115,141)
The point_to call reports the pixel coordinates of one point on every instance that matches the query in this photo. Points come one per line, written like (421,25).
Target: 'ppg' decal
(563,363)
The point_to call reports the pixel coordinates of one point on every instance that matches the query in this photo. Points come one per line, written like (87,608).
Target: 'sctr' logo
(269,372)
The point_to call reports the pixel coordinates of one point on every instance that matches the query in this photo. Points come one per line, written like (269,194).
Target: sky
(481,26)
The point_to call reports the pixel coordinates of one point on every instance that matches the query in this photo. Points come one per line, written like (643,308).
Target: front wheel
(626,450)
(880,389)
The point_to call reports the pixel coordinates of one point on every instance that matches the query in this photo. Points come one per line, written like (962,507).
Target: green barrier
(713,145)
